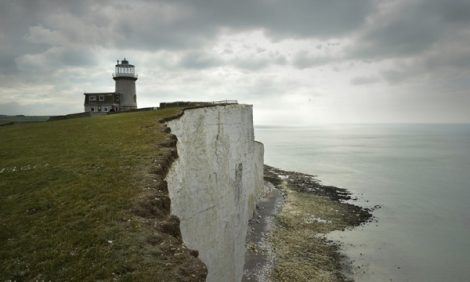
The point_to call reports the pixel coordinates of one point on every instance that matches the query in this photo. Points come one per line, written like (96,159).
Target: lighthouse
(125,78)
(122,99)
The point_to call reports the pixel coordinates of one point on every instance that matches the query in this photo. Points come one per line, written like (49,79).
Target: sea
(418,173)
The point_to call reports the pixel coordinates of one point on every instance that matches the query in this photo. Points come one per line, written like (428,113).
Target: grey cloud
(446,60)
(252,64)
(454,11)
(365,80)
(407,28)
(258,62)
(402,30)
(34,27)
(304,59)
(424,41)
(180,23)
(264,88)
(16,20)
(7,63)
(395,76)
(54,59)
(454,56)
(283,18)
(199,60)
(79,57)
(42,39)
(203,60)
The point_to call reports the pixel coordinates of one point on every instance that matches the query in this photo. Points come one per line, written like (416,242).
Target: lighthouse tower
(125,78)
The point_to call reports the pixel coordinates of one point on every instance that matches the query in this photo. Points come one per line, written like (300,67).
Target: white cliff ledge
(214,184)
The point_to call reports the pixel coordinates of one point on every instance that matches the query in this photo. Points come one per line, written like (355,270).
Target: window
(101,97)
(105,109)
(92,109)
(92,98)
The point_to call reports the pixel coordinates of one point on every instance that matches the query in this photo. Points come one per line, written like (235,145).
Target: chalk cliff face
(214,184)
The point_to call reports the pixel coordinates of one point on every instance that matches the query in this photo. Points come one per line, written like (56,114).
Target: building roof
(100,93)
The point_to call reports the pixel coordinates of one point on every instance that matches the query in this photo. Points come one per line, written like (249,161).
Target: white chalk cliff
(214,184)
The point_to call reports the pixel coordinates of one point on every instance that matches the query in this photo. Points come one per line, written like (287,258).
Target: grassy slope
(66,193)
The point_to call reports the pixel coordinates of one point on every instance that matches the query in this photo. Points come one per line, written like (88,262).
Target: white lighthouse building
(125,78)
(122,99)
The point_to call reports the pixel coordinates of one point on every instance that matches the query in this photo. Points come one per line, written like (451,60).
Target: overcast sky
(299,62)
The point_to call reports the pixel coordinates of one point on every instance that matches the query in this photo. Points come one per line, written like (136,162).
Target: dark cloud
(280,18)
(421,42)
(407,28)
(180,23)
(200,60)
(19,18)
(393,29)
(63,46)
(451,11)
(445,61)
(55,58)
(35,29)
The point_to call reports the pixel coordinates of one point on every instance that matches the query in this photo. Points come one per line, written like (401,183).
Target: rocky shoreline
(287,238)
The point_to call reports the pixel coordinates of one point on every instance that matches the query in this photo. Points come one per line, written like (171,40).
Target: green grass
(66,190)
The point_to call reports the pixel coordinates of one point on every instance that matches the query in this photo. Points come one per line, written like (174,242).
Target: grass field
(67,190)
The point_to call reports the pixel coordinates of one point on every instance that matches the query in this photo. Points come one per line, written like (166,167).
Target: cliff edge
(214,184)
(85,199)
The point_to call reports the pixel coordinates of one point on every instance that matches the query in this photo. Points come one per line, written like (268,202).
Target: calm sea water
(419,174)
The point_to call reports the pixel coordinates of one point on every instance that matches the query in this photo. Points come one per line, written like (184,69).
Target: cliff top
(84,199)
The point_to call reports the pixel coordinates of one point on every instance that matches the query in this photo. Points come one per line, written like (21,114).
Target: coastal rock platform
(287,237)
